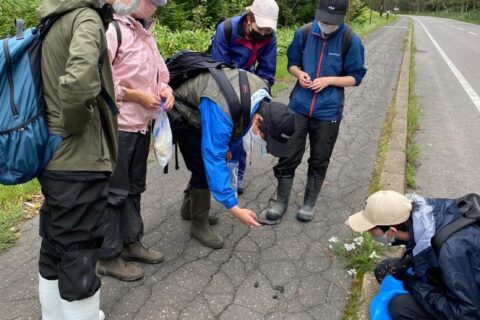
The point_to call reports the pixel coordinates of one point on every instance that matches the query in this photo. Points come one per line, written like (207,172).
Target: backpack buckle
(19,26)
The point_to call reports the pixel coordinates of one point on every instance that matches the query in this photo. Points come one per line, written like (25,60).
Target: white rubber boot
(49,299)
(85,309)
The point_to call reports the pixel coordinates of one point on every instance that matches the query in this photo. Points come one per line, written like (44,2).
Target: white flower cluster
(352,272)
(349,246)
(333,240)
(358,240)
(374,255)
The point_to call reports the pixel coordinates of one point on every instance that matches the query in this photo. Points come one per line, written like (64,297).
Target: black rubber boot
(200,228)
(314,185)
(284,187)
(185,211)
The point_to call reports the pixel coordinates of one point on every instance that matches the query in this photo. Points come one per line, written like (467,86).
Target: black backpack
(227,30)
(187,64)
(469,208)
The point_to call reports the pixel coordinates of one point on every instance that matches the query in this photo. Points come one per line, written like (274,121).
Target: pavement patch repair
(284,271)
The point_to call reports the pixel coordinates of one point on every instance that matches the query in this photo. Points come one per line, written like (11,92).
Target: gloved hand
(407,278)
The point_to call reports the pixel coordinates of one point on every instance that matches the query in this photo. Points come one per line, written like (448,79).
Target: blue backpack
(26,145)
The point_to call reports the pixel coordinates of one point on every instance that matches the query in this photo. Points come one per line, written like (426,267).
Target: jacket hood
(56,7)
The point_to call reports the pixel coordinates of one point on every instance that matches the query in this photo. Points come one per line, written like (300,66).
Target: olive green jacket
(71,81)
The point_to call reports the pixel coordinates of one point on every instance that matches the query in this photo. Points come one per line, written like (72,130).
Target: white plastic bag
(233,167)
(162,138)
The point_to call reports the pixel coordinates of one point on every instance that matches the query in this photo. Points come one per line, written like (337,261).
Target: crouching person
(74,69)
(204,131)
(445,249)
(140,88)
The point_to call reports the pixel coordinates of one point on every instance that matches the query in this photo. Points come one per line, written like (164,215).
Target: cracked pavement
(275,272)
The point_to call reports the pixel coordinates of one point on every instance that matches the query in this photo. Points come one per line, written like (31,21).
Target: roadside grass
(472,16)
(412,122)
(16,204)
(363,262)
(359,254)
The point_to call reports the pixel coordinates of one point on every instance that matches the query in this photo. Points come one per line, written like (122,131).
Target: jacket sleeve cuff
(231,202)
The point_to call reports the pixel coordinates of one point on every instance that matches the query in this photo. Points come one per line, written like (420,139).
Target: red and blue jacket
(259,58)
(322,57)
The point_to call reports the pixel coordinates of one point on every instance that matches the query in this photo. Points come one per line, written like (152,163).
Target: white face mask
(384,239)
(257,138)
(328,28)
(123,9)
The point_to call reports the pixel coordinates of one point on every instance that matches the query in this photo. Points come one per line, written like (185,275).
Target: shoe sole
(111,274)
(304,218)
(219,246)
(142,260)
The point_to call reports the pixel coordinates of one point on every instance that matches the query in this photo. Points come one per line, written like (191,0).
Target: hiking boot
(119,269)
(185,211)
(136,251)
(284,187)
(312,189)
(200,228)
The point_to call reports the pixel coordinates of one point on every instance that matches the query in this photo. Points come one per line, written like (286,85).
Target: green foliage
(358,252)
(12,199)
(13,9)
(412,122)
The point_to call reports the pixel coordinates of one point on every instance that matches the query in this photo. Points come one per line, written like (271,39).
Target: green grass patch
(16,203)
(472,16)
(412,121)
(359,254)
(383,147)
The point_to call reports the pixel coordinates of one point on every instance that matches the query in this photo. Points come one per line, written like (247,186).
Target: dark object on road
(279,289)
(256,284)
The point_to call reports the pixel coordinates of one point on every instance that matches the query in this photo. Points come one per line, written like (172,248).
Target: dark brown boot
(119,269)
(137,252)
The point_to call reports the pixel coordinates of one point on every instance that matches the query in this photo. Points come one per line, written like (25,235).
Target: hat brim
(275,148)
(328,17)
(265,22)
(358,223)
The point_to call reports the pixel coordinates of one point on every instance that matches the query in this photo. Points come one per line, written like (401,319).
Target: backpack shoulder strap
(469,207)
(347,40)
(306,28)
(245,97)
(119,38)
(227,29)
(229,94)
(103,91)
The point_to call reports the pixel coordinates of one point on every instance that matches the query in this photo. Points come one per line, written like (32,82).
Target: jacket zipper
(319,69)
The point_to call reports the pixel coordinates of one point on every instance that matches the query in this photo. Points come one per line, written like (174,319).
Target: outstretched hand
(245,216)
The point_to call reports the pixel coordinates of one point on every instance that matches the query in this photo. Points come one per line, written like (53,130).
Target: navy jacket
(459,264)
(259,58)
(322,58)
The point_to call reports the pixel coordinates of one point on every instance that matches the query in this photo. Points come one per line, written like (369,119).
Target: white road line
(463,82)
(473,33)
(461,29)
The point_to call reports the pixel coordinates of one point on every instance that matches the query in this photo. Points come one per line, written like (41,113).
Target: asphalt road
(448,88)
(283,272)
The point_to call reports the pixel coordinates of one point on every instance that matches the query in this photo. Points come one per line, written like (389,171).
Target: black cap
(332,11)
(278,125)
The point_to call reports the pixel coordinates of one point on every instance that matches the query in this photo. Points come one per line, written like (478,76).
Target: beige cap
(265,12)
(383,208)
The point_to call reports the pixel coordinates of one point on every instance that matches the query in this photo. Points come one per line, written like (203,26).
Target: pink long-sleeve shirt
(137,64)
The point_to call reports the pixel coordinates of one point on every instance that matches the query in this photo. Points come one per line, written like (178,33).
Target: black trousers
(123,219)
(323,135)
(71,220)
(404,307)
(189,141)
